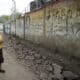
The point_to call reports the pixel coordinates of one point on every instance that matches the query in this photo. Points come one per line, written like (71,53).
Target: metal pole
(24,18)
(44,23)
(67,24)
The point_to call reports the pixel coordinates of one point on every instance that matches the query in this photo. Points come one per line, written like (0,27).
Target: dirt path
(14,71)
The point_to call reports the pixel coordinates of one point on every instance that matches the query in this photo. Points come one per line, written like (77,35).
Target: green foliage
(18,14)
(4,18)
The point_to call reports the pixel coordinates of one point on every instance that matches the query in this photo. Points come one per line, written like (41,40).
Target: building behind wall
(36,4)
(32,5)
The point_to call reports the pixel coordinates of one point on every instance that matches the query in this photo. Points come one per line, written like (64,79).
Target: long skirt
(1,56)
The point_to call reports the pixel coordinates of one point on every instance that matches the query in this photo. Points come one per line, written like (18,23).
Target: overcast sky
(6,5)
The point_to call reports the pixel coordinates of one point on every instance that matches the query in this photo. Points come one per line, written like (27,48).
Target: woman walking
(1,54)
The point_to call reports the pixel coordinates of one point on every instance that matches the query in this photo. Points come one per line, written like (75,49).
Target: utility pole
(14,13)
(13,9)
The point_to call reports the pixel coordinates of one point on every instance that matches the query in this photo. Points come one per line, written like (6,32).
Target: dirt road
(14,71)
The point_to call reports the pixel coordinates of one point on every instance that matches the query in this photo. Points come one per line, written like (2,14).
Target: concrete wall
(57,19)
(7,28)
(20,27)
(56,26)
(35,29)
(13,27)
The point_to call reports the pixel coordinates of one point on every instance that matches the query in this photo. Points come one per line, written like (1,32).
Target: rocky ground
(14,70)
(45,64)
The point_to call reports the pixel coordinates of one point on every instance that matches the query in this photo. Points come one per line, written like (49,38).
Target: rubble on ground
(39,61)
